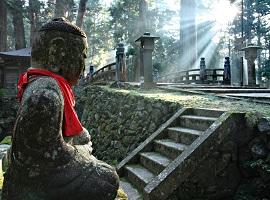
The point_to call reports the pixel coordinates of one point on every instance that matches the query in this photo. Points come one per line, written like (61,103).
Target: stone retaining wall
(8,112)
(118,122)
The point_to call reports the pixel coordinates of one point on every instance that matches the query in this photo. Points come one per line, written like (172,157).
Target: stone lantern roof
(146,36)
(251,46)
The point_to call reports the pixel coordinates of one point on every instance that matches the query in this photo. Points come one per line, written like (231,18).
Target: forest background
(108,23)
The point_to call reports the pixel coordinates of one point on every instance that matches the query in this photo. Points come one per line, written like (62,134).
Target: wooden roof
(17,53)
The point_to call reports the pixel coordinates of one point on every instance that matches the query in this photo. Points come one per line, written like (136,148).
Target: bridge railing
(106,73)
(194,76)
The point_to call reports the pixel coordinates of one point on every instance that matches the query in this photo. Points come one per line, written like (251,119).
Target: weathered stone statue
(51,152)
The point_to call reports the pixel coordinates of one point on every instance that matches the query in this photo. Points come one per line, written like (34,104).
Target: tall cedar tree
(81,12)
(17,13)
(34,9)
(3,26)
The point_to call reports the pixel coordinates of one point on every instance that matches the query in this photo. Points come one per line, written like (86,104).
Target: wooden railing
(106,73)
(193,76)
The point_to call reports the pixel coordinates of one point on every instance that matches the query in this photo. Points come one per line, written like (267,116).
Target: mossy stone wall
(118,122)
(8,112)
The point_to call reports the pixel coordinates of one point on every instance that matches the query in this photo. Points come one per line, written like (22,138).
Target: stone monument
(251,52)
(51,155)
(146,44)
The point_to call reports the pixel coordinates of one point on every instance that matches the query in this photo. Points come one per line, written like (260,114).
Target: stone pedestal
(236,71)
(251,71)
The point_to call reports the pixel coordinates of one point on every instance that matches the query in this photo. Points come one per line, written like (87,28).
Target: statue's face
(76,65)
(79,65)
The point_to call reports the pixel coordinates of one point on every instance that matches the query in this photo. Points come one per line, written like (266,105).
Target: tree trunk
(267,45)
(143,16)
(64,8)
(33,17)
(3,26)
(60,8)
(18,24)
(249,13)
(259,51)
(188,34)
(81,12)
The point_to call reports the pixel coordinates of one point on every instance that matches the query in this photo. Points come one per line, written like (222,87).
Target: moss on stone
(199,101)
(1,180)
(6,140)
(121,195)
(119,120)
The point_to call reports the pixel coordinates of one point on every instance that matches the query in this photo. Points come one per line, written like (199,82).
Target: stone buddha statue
(51,152)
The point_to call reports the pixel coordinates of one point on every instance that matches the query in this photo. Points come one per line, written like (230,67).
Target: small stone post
(91,69)
(120,63)
(251,54)
(202,70)
(146,44)
(227,71)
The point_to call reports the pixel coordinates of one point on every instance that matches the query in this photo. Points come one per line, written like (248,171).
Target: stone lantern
(251,53)
(146,44)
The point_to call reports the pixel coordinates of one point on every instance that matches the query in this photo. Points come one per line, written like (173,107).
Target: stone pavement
(262,95)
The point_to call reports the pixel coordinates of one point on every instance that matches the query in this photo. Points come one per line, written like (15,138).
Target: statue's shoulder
(42,88)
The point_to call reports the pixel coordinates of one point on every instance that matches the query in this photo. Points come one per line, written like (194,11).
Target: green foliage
(124,11)
(126,20)
(157,17)
(264,71)
(131,52)
(255,22)
(157,66)
(6,140)
(259,164)
(2,93)
(114,163)
(96,26)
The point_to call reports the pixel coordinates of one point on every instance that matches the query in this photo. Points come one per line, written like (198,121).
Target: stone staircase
(157,167)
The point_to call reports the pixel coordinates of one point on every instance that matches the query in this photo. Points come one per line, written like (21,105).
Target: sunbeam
(220,12)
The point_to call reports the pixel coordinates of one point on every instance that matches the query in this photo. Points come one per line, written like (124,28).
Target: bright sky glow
(223,13)
(220,13)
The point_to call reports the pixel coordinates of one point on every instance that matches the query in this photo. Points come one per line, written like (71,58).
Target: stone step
(169,148)
(154,161)
(139,175)
(183,135)
(196,122)
(130,190)
(205,112)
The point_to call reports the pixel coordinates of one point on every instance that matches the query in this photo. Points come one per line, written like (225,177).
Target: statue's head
(60,47)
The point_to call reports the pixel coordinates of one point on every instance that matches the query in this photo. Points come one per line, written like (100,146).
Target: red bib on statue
(71,123)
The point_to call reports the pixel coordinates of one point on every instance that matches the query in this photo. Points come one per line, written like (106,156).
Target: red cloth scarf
(71,123)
